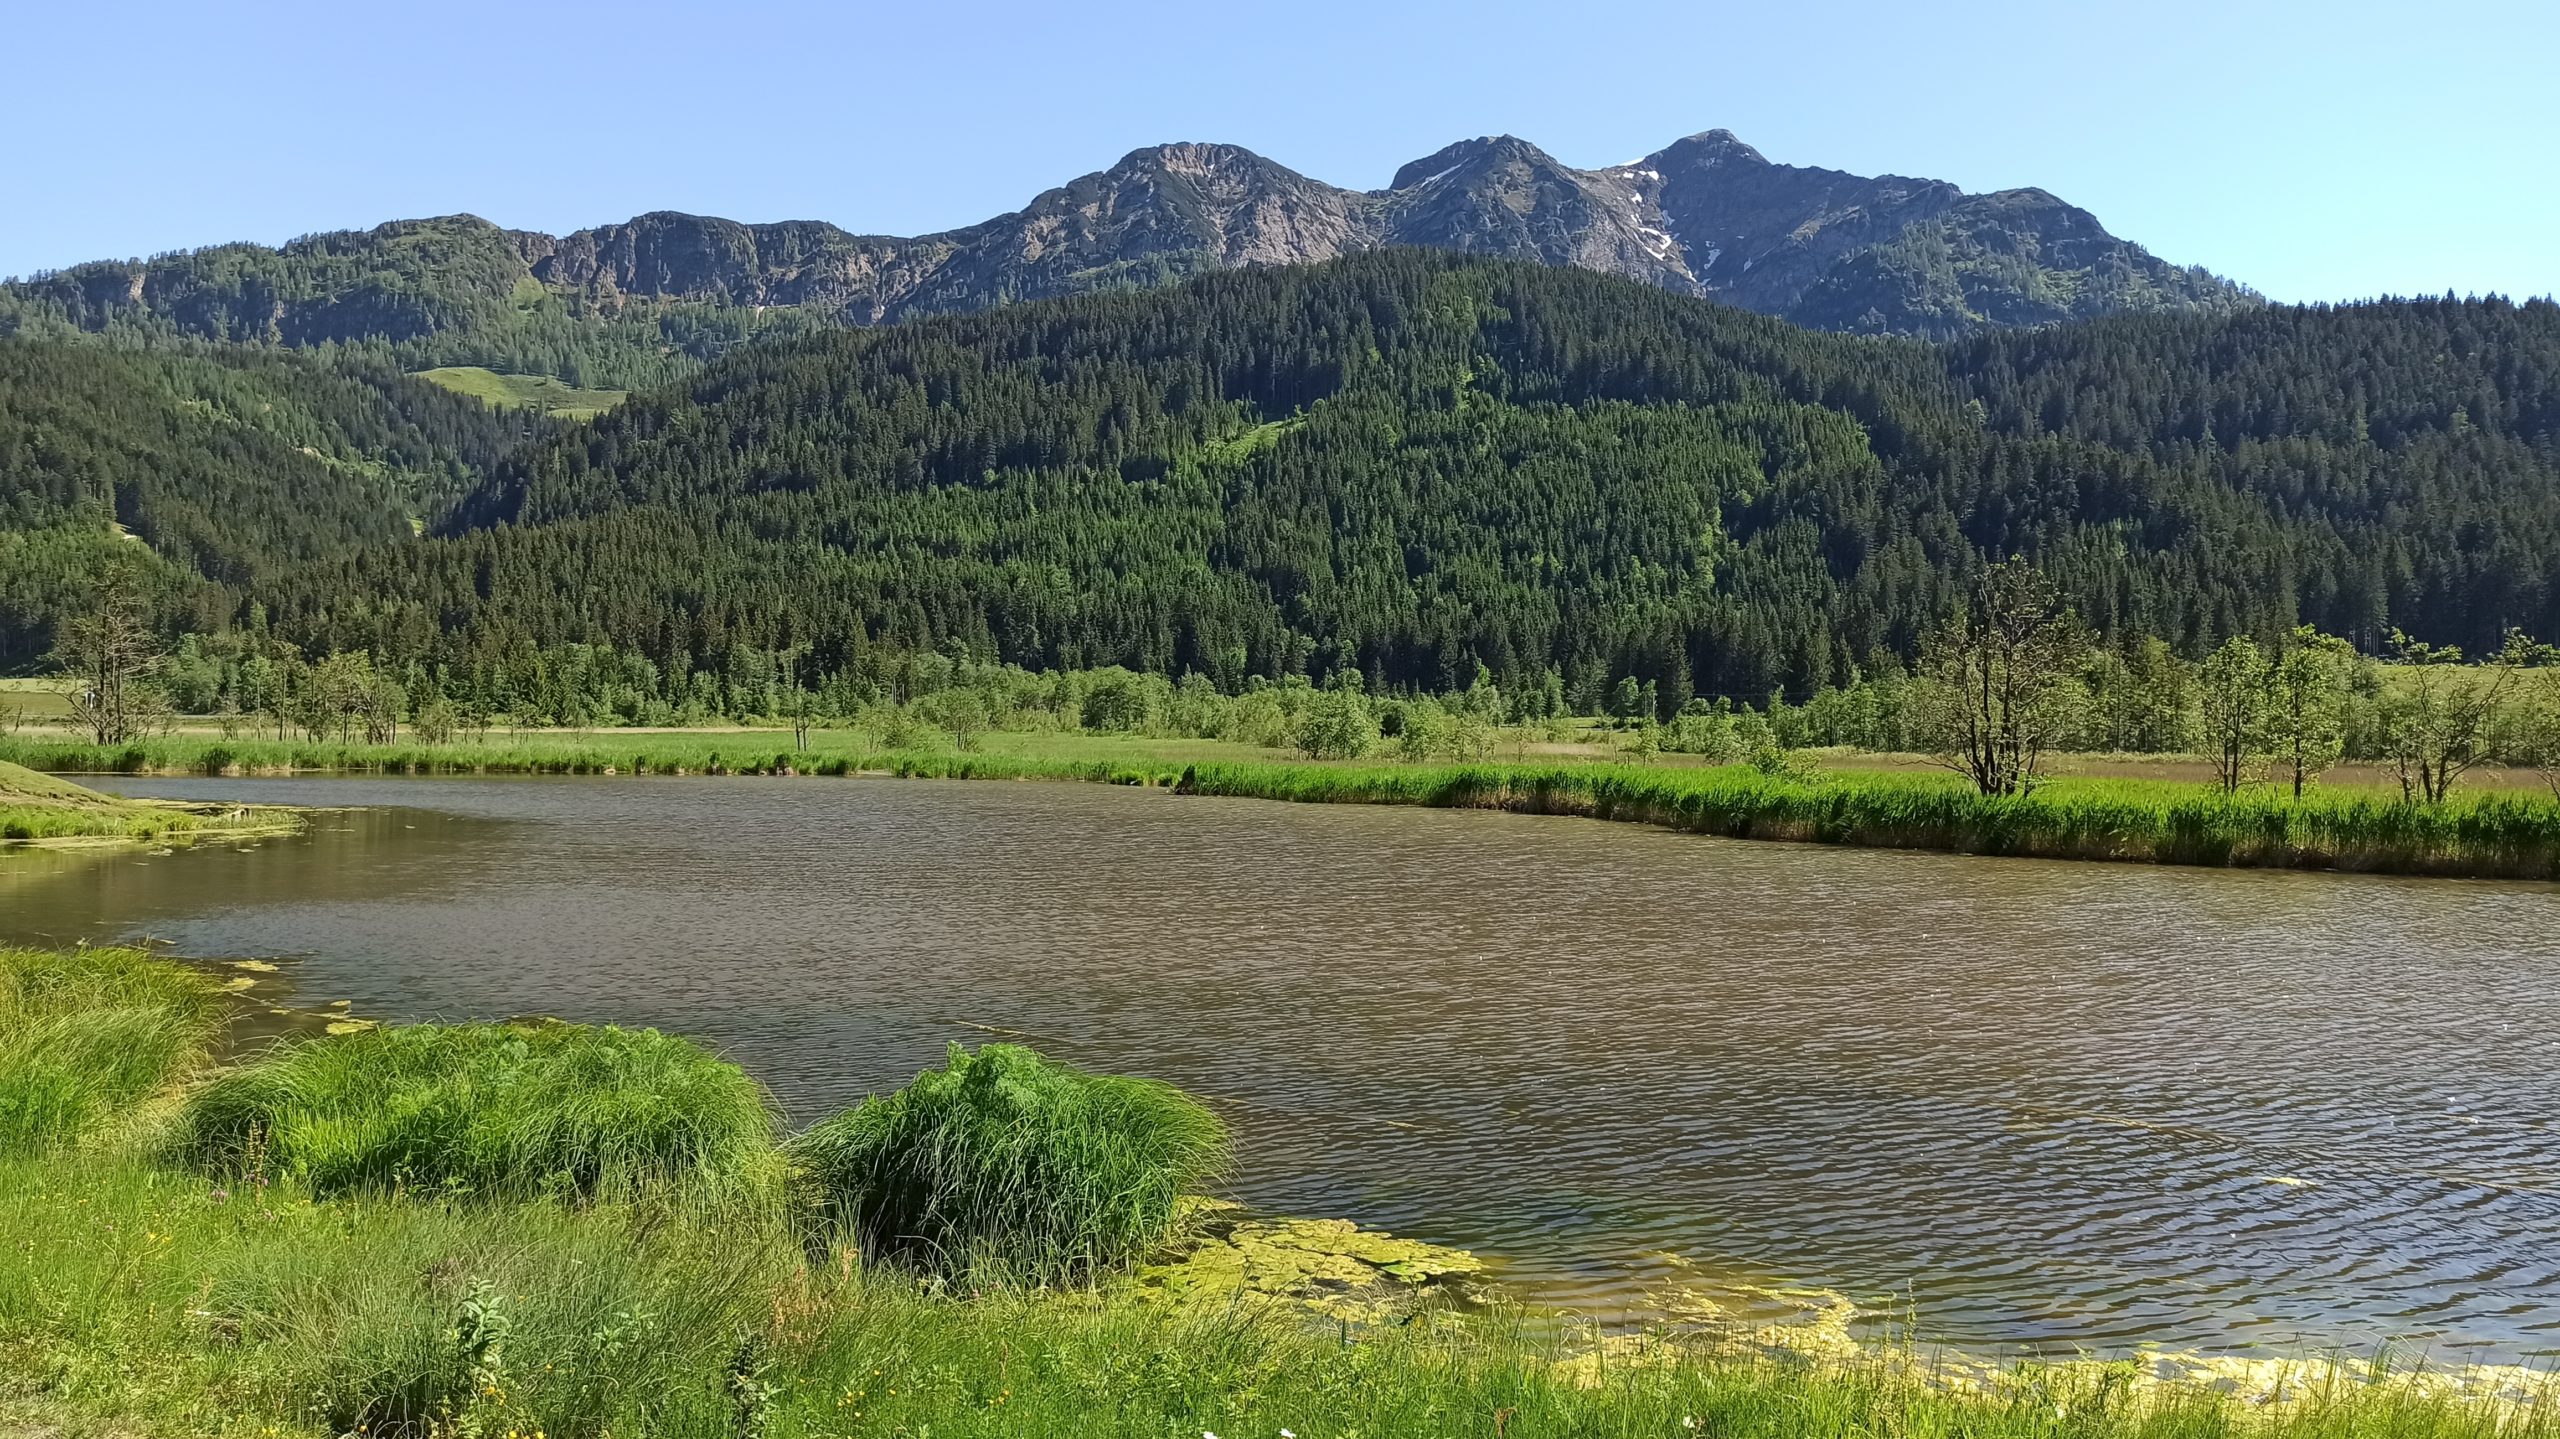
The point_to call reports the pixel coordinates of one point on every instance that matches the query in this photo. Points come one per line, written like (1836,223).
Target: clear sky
(2315,149)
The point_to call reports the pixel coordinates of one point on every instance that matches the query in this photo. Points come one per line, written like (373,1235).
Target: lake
(2024,1102)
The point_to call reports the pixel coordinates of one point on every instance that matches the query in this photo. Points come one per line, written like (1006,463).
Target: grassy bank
(148,1287)
(2496,835)
(39,807)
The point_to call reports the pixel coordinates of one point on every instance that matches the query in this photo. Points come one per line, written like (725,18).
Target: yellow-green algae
(1708,1316)
(1331,1266)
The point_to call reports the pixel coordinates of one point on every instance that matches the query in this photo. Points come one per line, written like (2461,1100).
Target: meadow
(546,393)
(491,1283)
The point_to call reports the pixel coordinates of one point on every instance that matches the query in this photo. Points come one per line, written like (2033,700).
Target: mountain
(635,303)
(1414,463)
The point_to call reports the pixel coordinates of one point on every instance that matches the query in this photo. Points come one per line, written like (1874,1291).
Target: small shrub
(510,1110)
(1005,1165)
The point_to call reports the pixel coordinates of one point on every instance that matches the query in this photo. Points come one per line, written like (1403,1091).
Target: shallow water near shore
(2028,1102)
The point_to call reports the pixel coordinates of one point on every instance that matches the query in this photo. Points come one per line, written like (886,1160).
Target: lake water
(2027,1102)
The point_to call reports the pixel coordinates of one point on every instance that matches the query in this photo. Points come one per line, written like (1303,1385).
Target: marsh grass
(2123,820)
(2486,834)
(1004,1164)
(37,806)
(87,1033)
(502,1110)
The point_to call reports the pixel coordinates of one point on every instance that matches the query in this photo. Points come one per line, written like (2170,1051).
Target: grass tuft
(1004,1164)
(85,1034)
(508,1110)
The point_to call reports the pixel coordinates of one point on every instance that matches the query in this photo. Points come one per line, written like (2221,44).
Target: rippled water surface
(2028,1102)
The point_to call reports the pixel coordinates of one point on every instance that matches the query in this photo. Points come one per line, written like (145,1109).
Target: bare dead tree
(110,656)
(1999,683)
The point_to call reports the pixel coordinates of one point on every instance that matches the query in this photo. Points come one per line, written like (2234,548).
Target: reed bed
(503,1110)
(1004,1164)
(2121,820)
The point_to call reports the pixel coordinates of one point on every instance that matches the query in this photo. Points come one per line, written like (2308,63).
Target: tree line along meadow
(2001,693)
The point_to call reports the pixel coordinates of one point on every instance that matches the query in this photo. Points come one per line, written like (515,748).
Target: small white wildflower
(1288,1434)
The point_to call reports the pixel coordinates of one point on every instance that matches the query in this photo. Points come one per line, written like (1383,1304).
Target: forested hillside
(224,464)
(1412,464)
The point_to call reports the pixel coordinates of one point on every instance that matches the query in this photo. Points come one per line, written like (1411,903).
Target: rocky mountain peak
(1468,155)
(1707,214)
(1706,149)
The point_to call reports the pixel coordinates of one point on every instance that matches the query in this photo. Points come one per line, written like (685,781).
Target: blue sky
(2317,151)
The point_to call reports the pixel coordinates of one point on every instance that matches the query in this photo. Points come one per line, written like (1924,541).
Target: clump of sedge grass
(509,1110)
(86,1033)
(1004,1164)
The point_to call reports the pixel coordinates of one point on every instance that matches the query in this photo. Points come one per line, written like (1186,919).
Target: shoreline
(2482,835)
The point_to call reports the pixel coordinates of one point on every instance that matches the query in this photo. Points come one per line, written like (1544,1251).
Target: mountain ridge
(1705,215)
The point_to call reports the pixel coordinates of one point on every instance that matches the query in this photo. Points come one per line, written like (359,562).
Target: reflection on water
(2079,1104)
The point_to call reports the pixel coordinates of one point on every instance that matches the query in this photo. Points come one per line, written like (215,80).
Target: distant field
(536,392)
(40,702)
(33,699)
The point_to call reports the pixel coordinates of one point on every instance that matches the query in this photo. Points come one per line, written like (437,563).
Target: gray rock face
(1707,215)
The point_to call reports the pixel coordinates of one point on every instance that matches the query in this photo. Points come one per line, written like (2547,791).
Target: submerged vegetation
(141,1295)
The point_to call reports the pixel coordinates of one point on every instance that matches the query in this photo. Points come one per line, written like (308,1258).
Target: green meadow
(547,393)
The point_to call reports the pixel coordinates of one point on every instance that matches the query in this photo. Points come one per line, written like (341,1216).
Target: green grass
(546,393)
(1004,1163)
(2497,834)
(87,1033)
(489,1109)
(36,806)
(143,1298)
(2151,821)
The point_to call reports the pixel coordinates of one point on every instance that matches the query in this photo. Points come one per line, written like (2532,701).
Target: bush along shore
(2486,835)
(555,1231)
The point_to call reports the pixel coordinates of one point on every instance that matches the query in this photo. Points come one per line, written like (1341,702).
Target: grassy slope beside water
(142,1295)
(37,806)
(2483,834)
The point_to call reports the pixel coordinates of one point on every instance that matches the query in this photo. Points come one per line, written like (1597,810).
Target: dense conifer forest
(1406,464)
(226,465)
